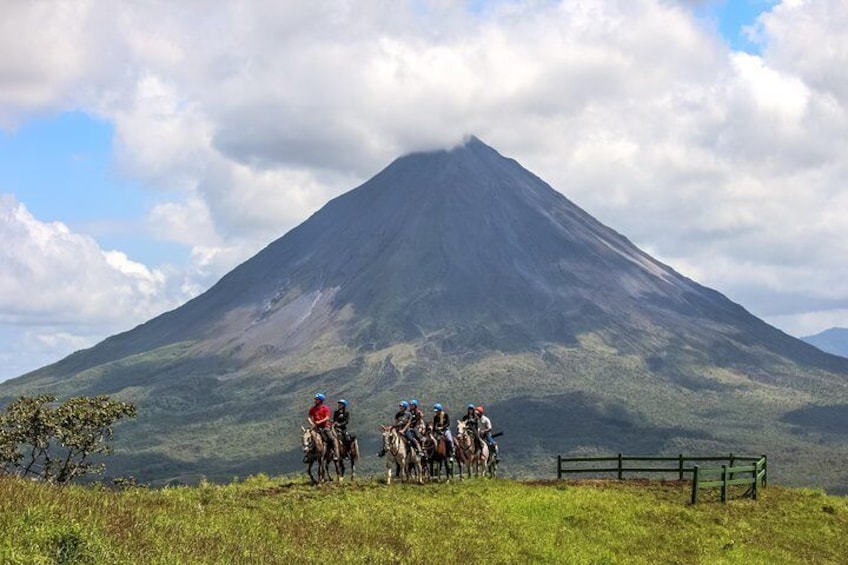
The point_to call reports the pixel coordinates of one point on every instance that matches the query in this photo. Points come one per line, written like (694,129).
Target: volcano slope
(458,276)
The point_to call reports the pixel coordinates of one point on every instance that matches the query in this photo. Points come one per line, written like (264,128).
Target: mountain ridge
(454,274)
(833,340)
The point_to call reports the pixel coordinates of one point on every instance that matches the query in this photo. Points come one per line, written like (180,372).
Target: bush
(56,443)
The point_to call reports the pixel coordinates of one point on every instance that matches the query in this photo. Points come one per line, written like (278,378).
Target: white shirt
(485,424)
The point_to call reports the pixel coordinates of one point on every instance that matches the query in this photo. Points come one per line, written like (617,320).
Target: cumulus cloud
(64,291)
(52,273)
(246,117)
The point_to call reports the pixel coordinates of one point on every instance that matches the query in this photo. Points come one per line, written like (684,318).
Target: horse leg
(309,472)
(339,466)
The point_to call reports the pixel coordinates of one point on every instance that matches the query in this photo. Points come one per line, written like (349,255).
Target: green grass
(284,520)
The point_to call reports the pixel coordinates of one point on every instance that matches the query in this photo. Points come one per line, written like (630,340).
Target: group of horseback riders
(409,421)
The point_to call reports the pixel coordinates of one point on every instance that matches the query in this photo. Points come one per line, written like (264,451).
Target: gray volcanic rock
(454,275)
(455,240)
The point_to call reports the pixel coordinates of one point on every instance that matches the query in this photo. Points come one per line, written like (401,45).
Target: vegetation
(581,401)
(57,443)
(263,520)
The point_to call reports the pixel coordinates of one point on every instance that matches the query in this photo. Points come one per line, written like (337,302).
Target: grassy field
(283,520)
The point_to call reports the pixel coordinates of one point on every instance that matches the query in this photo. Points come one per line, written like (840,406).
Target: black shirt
(341,417)
(441,421)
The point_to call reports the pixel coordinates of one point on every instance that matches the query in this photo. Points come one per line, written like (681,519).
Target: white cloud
(63,292)
(246,117)
(51,273)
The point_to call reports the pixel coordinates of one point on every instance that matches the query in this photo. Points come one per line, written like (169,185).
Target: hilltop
(283,521)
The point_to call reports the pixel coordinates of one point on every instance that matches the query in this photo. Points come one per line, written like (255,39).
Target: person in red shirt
(319,418)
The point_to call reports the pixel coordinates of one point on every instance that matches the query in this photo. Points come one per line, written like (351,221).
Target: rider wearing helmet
(319,418)
(416,417)
(472,422)
(403,420)
(403,424)
(485,430)
(341,417)
(415,414)
(441,425)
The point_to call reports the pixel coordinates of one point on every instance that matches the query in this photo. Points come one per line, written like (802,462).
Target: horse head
(306,440)
(460,428)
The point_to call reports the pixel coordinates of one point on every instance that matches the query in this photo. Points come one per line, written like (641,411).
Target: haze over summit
(146,150)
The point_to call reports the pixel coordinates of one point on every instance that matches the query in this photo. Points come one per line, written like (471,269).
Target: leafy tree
(56,443)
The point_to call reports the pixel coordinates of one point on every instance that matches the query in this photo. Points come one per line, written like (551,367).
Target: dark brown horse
(436,449)
(348,450)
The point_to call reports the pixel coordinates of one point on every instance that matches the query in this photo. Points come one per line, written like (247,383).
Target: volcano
(456,276)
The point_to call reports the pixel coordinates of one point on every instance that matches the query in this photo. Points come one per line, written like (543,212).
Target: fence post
(620,472)
(765,468)
(732,461)
(724,483)
(680,466)
(754,489)
(695,484)
(559,467)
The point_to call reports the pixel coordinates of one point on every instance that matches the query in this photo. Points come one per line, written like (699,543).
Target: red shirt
(320,412)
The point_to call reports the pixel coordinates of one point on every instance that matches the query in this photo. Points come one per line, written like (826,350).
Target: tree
(56,443)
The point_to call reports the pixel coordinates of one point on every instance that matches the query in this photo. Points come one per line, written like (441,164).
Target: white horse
(398,453)
(474,450)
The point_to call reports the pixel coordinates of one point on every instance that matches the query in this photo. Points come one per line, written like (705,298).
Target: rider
(319,417)
(441,425)
(341,417)
(403,425)
(485,431)
(403,419)
(416,417)
(472,423)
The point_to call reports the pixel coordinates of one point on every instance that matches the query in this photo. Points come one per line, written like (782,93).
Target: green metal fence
(728,470)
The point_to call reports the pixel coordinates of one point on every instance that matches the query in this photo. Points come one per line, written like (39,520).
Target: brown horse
(436,449)
(316,450)
(313,452)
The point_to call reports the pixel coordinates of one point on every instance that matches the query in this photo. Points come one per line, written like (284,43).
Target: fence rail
(726,476)
(682,465)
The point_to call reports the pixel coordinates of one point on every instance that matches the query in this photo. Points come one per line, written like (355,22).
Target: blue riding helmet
(320,397)
(343,401)
(403,404)
(413,402)
(437,407)
(470,406)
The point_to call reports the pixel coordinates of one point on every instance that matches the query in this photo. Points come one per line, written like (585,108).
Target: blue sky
(143,159)
(61,166)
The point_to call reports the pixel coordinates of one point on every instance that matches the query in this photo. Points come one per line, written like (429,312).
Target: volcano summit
(457,276)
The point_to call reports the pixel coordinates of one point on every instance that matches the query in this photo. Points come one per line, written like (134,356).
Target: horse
(492,461)
(348,450)
(436,448)
(475,454)
(317,450)
(398,453)
(314,451)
